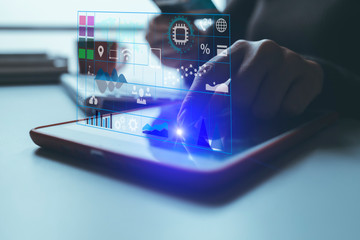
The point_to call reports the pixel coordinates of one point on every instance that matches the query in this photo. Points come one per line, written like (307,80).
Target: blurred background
(50,26)
(63,13)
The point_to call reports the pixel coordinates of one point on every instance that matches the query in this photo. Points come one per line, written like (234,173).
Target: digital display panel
(117,59)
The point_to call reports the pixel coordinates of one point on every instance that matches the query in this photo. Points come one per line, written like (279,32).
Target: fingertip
(181,117)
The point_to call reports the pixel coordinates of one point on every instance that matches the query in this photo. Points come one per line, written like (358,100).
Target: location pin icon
(101,50)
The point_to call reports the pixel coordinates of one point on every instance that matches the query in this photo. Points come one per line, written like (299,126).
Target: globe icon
(221,25)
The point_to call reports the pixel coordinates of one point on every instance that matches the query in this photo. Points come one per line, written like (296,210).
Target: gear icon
(184,33)
(133,125)
(120,123)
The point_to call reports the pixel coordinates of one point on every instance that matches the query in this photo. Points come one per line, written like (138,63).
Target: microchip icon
(180,34)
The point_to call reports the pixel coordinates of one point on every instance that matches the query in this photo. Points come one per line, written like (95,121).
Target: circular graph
(221,25)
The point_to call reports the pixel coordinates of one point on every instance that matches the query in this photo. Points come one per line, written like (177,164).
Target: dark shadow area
(342,137)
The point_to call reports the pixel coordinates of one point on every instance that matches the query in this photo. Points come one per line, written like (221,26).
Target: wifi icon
(127,53)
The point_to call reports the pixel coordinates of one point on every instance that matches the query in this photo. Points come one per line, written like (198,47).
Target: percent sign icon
(205,49)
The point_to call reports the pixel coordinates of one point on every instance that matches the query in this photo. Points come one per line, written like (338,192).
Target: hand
(267,79)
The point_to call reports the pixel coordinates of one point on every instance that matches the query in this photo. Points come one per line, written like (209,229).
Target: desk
(317,197)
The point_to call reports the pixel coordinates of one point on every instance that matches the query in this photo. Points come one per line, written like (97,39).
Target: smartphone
(173,161)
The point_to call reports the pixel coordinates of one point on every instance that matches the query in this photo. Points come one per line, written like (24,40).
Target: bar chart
(99,120)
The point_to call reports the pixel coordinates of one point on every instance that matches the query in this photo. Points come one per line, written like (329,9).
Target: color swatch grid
(86,37)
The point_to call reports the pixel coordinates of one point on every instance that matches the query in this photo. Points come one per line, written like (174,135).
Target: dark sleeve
(341,89)
(240,12)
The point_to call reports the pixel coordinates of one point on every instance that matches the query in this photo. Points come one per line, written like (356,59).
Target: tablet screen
(170,150)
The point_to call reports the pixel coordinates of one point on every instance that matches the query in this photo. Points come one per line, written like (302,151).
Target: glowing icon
(205,23)
(105,81)
(220,88)
(205,49)
(120,123)
(90,72)
(171,79)
(203,69)
(127,54)
(179,132)
(203,139)
(148,94)
(101,50)
(82,20)
(117,125)
(93,100)
(180,34)
(133,124)
(216,142)
(221,25)
(160,130)
(134,92)
(222,50)
(187,71)
(141,99)
(106,121)
(100,121)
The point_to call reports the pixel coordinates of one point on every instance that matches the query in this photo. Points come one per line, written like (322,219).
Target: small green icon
(81,53)
(90,54)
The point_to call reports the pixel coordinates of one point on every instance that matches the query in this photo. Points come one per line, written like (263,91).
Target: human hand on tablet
(267,79)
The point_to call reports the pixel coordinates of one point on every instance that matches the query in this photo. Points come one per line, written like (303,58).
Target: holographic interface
(117,62)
